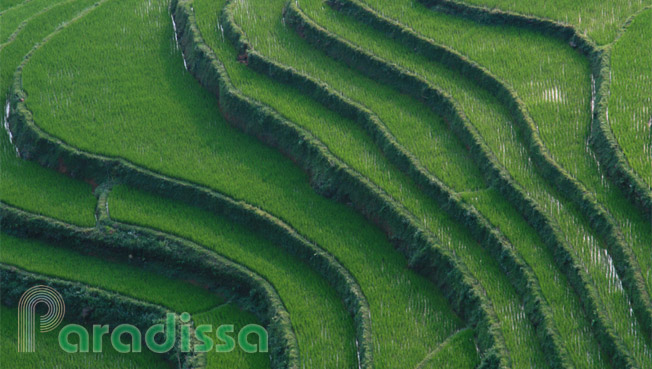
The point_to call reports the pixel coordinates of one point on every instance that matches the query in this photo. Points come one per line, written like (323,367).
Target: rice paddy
(108,78)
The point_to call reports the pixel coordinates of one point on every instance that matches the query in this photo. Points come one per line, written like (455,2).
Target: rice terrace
(326,184)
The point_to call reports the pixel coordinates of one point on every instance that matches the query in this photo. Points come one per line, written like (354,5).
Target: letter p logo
(56,309)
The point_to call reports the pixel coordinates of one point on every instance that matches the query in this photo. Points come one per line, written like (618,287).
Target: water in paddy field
(177,47)
(5,124)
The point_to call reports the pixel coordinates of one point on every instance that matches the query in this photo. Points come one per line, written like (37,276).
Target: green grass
(229,314)
(175,128)
(124,279)
(457,352)
(630,101)
(425,135)
(12,18)
(414,125)
(8,4)
(554,82)
(600,19)
(31,187)
(48,354)
(151,112)
(25,184)
(541,64)
(347,141)
(324,330)
(570,319)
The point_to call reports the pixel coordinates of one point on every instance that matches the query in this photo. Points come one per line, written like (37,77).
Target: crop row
(410,84)
(73,170)
(599,19)
(12,18)
(629,99)
(30,186)
(233,163)
(343,182)
(172,257)
(576,172)
(289,49)
(573,176)
(304,293)
(129,280)
(26,184)
(500,145)
(620,226)
(109,308)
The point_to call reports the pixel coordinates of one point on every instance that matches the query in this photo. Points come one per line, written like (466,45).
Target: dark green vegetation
(304,293)
(224,159)
(381,183)
(49,355)
(629,101)
(600,20)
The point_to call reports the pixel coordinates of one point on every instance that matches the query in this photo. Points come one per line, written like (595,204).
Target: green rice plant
(43,258)
(124,279)
(630,101)
(31,187)
(26,184)
(564,129)
(11,18)
(452,353)
(467,36)
(33,30)
(347,141)
(175,128)
(426,136)
(49,355)
(599,19)
(229,314)
(555,84)
(8,4)
(324,331)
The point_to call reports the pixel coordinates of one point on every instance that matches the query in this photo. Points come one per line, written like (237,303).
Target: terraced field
(379,184)
(629,103)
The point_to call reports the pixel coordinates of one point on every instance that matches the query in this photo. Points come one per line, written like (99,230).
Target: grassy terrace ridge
(8,4)
(464,36)
(118,106)
(351,144)
(230,314)
(459,345)
(564,91)
(127,280)
(630,100)
(49,355)
(482,109)
(426,136)
(12,18)
(313,304)
(599,19)
(177,295)
(344,319)
(29,186)
(570,149)
(26,184)
(169,256)
(52,260)
(222,159)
